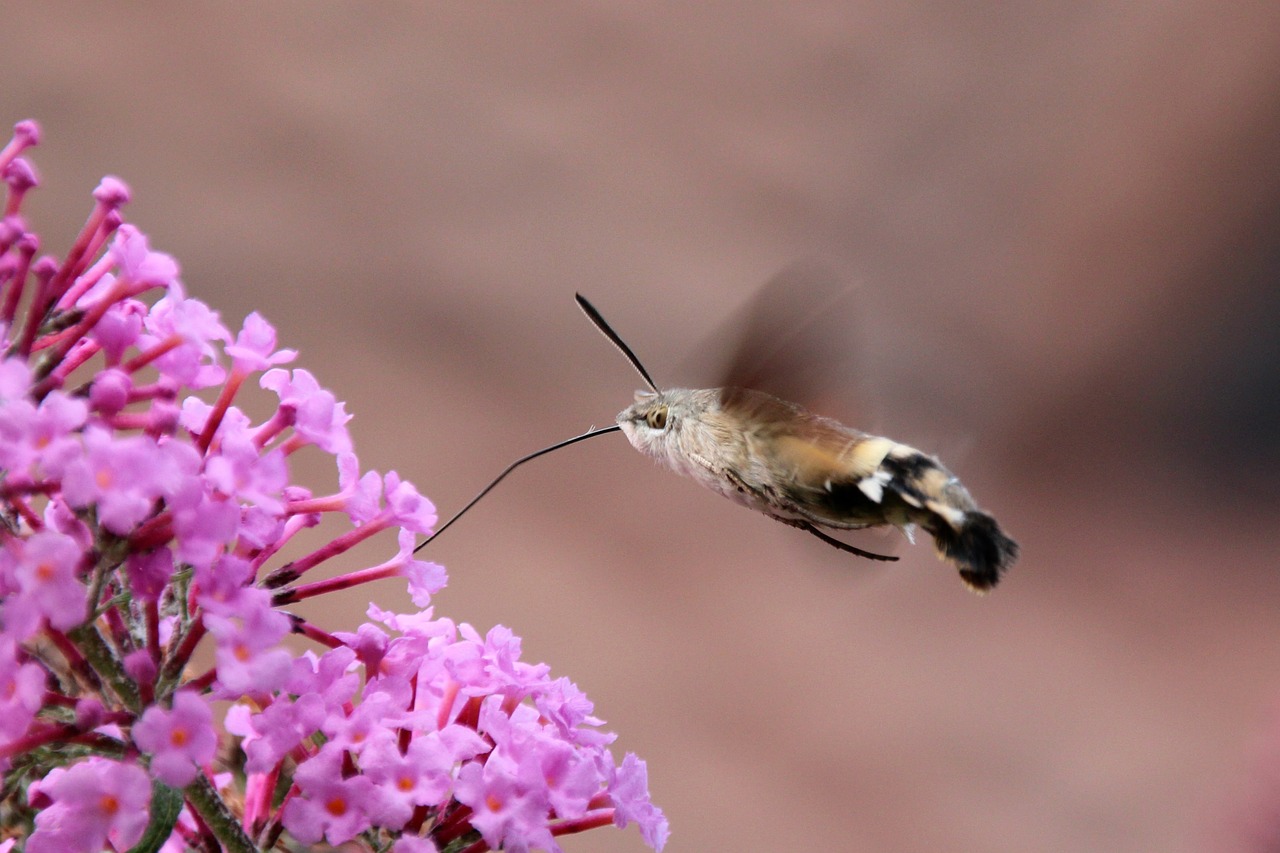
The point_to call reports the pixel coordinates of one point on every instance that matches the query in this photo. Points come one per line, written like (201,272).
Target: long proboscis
(598,321)
(591,433)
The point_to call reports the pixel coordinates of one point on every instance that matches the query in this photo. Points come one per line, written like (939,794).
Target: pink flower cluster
(140,522)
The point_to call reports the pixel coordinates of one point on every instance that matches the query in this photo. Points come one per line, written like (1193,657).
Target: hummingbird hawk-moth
(799,468)
(809,471)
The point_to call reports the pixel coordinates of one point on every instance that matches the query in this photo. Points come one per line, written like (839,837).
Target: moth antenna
(594,316)
(591,433)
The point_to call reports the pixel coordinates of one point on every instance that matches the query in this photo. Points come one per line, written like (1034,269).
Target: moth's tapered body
(809,471)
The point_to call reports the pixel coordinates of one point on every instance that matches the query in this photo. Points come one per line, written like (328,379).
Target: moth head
(649,421)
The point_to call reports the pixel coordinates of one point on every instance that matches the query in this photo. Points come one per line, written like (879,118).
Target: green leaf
(166,803)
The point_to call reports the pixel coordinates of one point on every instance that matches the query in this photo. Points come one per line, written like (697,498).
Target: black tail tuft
(979,549)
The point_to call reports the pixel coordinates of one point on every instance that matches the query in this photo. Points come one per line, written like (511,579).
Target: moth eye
(657,418)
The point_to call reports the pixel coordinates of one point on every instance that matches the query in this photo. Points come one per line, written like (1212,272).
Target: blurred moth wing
(805,470)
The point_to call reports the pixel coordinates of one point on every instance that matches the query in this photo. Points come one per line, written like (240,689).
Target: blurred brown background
(1060,224)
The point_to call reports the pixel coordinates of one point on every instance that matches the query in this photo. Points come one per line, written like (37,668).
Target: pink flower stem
(590,820)
(278,423)
(311,632)
(469,716)
(86,282)
(347,581)
(25,134)
(26,251)
(446,703)
(74,263)
(83,350)
(16,195)
(51,698)
(454,826)
(152,533)
(291,528)
(220,406)
(203,680)
(258,807)
(67,338)
(151,611)
(295,442)
(420,816)
(147,689)
(290,572)
(110,224)
(35,315)
(63,733)
(37,738)
(328,503)
(271,832)
(28,515)
(151,354)
(13,487)
(119,631)
(79,329)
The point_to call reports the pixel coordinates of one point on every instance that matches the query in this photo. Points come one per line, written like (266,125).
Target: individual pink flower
(255,347)
(492,664)
(240,470)
(93,801)
(203,522)
(408,509)
(544,764)
(562,704)
(47,573)
(107,476)
(318,416)
(120,327)
(248,656)
(361,493)
(137,263)
(44,434)
(419,775)
(508,814)
(141,667)
(378,716)
(629,791)
(22,687)
(194,330)
(272,734)
(26,133)
(179,739)
(329,806)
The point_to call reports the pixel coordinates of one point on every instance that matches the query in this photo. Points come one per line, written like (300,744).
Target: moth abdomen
(962,533)
(979,549)
(860,502)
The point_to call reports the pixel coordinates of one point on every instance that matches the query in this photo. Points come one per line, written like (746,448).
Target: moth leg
(770,498)
(831,540)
